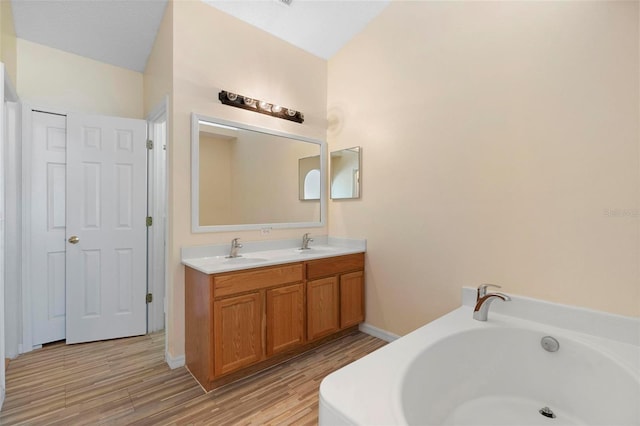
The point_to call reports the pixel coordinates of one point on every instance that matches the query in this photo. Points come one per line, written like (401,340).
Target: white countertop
(254,254)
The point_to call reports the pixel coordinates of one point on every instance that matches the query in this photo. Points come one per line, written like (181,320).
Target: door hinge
(149,221)
(149,297)
(149,144)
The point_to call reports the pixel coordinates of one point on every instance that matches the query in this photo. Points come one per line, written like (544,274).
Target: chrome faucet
(305,241)
(484,299)
(235,245)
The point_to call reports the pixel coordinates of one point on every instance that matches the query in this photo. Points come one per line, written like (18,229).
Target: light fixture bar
(263,107)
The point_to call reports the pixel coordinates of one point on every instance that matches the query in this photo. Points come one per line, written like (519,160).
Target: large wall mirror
(246,177)
(345,173)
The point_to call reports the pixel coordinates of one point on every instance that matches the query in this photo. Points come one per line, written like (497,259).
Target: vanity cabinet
(335,294)
(242,335)
(237,323)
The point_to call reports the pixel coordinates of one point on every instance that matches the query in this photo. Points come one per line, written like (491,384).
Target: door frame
(8,132)
(3,141)
(13,225)
(157,195)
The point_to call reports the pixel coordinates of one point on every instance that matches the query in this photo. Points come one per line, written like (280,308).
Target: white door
(106,212)
(47,254)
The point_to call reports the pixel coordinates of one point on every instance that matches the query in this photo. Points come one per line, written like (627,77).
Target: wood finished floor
(126,381)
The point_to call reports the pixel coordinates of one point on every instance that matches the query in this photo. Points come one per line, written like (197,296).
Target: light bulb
(265,105)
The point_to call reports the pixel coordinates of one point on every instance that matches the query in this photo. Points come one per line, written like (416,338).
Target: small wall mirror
(245,177)
(345,173)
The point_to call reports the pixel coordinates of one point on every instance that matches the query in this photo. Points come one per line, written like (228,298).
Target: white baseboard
(378,332)
(174,363)
(1,397)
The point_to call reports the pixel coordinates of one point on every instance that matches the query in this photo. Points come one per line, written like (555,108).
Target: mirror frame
(195,178)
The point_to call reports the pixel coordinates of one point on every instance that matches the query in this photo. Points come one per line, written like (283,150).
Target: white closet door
(106,211)
(48,226)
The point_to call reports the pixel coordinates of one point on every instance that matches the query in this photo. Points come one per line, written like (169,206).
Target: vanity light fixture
(263,107)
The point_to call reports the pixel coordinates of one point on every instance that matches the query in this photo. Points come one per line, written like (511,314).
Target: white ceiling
(320,27)
(116,32)
(122,32)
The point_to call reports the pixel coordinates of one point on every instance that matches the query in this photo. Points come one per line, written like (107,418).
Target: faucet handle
(235,243)
(482,290)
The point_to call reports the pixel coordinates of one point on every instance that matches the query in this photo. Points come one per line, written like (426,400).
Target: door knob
(74,240)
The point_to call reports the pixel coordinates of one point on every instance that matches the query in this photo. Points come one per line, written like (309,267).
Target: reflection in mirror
(244,177)
(309,178)
(345,173)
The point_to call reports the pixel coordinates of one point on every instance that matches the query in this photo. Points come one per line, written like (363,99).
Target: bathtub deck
(126,381)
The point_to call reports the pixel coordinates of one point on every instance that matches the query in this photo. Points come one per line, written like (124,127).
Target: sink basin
(242,260)
(223,260)
(314,250)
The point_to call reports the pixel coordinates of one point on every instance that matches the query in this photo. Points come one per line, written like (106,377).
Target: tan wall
(76,83)
(501,143)
(213,51)
(8,53)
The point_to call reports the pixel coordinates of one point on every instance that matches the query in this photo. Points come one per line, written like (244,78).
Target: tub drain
(550,344)
(547,412)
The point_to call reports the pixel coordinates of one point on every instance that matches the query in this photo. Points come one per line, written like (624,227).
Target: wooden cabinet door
(322,307)
(237,332)
(351,299)
(285,318)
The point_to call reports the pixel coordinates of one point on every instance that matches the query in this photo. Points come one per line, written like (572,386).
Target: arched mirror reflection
(309,178)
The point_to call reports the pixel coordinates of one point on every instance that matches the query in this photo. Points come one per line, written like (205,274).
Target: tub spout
(481,311)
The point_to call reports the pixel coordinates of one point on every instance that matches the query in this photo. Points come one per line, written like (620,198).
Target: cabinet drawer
(239,282)
(334,265)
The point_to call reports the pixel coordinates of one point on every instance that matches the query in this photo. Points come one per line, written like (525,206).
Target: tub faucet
(484,299)
(235,245)
(305,241)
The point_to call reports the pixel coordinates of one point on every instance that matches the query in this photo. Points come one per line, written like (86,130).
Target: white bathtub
(458,371)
